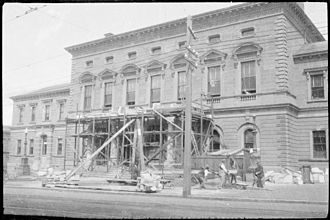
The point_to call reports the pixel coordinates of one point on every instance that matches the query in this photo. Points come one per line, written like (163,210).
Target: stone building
(263,69)
(38,129)
(5,145)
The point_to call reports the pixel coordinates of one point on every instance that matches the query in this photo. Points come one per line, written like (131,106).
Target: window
(61,111)
(109,59)
(181,84)
(44,145)
(19,146)
(20,117)
(319,145)
(214,38)
(155,89)
(88,98)
(317,86)
(59,146)
(47,112)
(33,113)
(89,63)
(131,83)
(132,55)
(182,44)
(31,146)
(248,70)
(156,50)
(249,138)
(108,94)
(213,83)
(247,32)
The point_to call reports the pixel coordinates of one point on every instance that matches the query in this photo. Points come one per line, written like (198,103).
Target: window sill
(212,43)
(20,123)
(317,100)
(61,120)
(88,67)
(249,36)
(32,122)
(313,160)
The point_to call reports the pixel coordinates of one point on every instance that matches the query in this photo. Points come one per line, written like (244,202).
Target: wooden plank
(140,144)
(100,149)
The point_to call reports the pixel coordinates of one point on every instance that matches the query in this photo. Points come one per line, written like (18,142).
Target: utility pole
(190,57)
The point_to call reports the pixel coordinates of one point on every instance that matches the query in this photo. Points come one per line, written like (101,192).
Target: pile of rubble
(287,176)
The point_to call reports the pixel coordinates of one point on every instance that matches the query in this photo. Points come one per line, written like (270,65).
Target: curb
(129,192)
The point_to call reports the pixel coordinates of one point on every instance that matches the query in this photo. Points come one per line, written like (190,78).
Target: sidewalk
(307,193)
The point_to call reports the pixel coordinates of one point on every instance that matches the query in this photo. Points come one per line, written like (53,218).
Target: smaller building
(38,129)
(5,145)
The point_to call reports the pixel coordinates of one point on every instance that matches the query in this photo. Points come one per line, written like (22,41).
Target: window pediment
(178,62)
(86,77)
(245,51)
(130,70)
(213,56)
(107,74)
(155,66)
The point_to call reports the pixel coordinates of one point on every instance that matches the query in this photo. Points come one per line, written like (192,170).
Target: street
(98,204)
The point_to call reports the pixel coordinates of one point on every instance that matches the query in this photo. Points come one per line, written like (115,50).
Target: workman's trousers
(222,176)
(259,182)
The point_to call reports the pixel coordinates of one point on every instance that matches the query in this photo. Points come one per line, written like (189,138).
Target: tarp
(225,152)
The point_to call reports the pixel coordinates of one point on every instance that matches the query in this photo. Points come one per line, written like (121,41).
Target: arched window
(44,144)
(130,72)
(86,77)
(249,138)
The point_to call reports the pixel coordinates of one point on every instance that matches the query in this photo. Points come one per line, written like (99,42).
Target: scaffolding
(161,129)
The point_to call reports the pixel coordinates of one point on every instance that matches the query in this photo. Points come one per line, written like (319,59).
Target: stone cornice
(292,10)
(63,92)
(307,57)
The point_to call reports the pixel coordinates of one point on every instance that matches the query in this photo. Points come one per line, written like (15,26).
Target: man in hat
(202,174)
(259,173)
(223,172)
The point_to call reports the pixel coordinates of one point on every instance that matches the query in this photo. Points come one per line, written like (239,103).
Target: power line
(31,9)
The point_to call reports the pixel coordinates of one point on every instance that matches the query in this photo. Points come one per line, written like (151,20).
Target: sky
(33,42)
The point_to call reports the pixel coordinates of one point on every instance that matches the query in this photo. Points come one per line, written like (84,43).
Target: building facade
(263,67)
(5,145)
(38,129)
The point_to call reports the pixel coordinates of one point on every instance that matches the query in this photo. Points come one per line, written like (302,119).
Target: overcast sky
(33,54)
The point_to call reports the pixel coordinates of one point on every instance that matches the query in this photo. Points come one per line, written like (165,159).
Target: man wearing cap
(222,174)
(259,172)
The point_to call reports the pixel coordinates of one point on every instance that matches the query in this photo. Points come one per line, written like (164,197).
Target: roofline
(177,21)
(36,93)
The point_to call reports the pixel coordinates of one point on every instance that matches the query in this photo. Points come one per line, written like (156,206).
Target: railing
(248,97)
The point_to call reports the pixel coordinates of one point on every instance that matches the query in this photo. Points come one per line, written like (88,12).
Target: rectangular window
(247,32)
(31,146)
(156,50)
(182,44)
(109,59)
(155,89)
(317,86)
(20,117)
(214,38)
(319,145)
(131,55)
(44,145)
(19,146)
(33,113)
(182,80)
(61,111)
(108,94)
(59,146)
(248,70)
(88,98)
(214,80)
(89,63)
(47,112)
(131,83)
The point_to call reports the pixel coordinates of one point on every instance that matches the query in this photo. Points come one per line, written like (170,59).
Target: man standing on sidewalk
(223,172)
(259,172)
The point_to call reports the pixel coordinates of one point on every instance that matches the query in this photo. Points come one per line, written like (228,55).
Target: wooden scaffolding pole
(99,149)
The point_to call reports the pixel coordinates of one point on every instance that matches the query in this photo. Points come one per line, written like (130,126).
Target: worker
(201,177)
(206,172)
(223,174)
(259,173)
(232,170)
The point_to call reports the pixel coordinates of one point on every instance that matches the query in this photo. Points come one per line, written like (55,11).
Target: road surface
(99,204)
